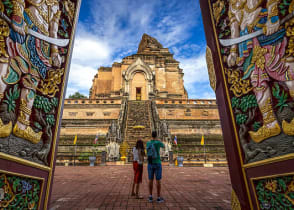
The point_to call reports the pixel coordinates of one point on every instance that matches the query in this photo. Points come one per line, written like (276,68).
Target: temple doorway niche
(138,94)
(139,87)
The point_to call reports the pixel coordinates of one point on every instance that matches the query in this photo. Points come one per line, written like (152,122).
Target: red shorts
(138,172)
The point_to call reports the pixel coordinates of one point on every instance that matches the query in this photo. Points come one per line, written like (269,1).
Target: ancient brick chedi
(152,72)
(144,92)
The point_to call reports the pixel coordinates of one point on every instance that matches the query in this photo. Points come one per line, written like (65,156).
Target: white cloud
(89,53)
(81,76)
(121,23)
(196,79)
(90,50)
(195,69)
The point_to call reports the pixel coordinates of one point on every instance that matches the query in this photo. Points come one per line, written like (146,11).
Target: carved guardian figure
(30,59)
(262,57)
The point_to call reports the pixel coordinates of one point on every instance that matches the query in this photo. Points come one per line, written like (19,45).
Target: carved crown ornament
(138,65)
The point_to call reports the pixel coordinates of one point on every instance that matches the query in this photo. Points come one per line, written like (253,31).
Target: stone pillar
(103,158)
(127,87)
(149,89)
(171,158)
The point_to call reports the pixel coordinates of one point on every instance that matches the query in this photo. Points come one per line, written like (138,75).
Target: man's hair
(154,134)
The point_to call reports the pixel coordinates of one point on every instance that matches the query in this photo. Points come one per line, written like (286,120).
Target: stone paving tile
(109,187)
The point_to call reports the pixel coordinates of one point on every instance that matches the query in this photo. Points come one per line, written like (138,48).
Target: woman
(138,159)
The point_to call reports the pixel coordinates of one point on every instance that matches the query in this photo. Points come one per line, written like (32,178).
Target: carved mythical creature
(262,57)
(112,130)
(164,131)
(112,149)
(167,147)
(164,128)
(30,59)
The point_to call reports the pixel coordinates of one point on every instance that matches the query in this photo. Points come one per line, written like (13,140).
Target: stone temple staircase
(138,125)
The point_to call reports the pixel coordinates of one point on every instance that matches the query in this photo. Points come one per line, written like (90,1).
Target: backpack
(151,153)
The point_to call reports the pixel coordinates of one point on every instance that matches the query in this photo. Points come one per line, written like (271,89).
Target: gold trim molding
(23,161)
(210,68)
(61,102)
(269,161)
(235,204)
(227,94)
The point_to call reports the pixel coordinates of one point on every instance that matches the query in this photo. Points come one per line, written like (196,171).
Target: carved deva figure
(262,57)
(29,59)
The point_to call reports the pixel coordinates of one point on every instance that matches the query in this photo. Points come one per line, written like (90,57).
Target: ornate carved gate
(250,58)
(36,39)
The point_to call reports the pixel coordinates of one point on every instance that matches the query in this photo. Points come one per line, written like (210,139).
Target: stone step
(141,131)
(139,134)
(142,117)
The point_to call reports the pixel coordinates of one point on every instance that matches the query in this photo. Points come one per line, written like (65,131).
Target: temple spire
(148,42)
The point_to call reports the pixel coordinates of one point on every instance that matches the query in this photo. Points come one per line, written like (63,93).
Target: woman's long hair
(140,145)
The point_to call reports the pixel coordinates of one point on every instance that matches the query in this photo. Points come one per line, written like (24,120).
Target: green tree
(77,95)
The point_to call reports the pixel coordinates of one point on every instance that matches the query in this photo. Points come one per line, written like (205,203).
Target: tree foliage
(77,95)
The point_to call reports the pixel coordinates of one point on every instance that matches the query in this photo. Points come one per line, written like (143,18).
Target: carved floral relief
(257,52)
(19,192)
(275,192)
(34,50)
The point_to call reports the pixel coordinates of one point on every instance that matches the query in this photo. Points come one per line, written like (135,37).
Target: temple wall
(190,116)
(124,67)
(93,88)
(116,77)
(184,116)
(88,117)
(173,85)
(100,129)
(161,79)
(104,82)
(90,113)
(186,112)
(204,127)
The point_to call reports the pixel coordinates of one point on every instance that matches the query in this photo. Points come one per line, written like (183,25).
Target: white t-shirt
(136,156)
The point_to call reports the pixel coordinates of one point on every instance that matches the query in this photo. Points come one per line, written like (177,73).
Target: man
(154,166)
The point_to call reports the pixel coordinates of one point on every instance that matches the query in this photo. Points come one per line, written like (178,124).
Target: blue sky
(110,30)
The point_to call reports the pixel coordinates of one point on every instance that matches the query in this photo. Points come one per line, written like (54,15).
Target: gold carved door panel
(36,39)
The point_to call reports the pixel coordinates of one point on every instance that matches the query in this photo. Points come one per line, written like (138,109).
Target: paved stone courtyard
(109,187)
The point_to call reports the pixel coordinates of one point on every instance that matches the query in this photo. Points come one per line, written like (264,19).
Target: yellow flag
(75,140)
(202,140)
